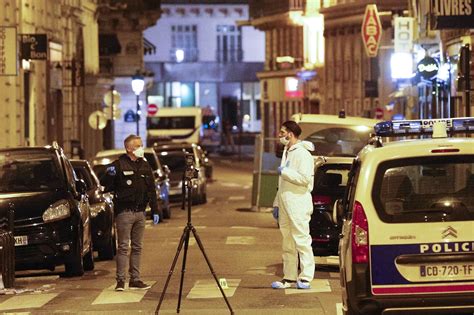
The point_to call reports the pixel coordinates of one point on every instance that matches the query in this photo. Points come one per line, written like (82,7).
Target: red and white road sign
(378,113)
(152,109)
(371,30)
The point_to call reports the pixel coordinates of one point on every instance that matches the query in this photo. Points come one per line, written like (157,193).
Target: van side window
(348,200)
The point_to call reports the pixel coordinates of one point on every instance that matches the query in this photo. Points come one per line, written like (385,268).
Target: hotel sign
(452,14)
(8,49)
(371,30)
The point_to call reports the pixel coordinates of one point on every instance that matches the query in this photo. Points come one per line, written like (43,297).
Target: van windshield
(428,189)
(174,122)
(27,172)
(335,140)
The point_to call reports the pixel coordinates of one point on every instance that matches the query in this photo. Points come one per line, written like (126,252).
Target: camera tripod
(185,240)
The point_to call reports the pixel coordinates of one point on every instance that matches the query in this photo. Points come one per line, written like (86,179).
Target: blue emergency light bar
(400,128)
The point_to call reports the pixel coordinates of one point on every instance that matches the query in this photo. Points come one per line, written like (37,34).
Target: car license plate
(448,271)
(21,240)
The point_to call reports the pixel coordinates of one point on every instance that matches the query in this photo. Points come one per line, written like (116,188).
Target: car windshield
(336,140)
(174,160)
(174,122)
(26,172)
(425,189)
(84,174)
(331,176)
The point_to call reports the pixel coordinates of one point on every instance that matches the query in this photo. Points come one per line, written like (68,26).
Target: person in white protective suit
(293,207)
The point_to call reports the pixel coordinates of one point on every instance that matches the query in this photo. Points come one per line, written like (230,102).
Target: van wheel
(109,250)
(75,267)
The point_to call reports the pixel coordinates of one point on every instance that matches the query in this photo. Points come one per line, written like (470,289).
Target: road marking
(261,271)
(244,227)
(27,301)
(110,296)
(246,187)
(233,185)
(240,240)
(339,308)
(317,286)
(208,289)
(236,198)
(330,260)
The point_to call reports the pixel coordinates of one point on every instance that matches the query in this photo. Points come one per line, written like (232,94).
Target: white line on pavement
(233,185)
(317,286)
(110,296)
(208,289)
(267,271)
(244,227)
(27,301)
(240,240)
(236,198)
(339,308)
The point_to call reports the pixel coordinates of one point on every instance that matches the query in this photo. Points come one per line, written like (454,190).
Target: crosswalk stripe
(244,227)
(317,286)
(110,296)
(236,198)
(27,301)
(208,289)
(267,271)
(240,240)
(339,308)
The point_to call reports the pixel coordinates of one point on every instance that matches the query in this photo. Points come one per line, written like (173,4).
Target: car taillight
(360,234)
(320,200)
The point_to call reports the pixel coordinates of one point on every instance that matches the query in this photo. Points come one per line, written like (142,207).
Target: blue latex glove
(275,212)
(156,219)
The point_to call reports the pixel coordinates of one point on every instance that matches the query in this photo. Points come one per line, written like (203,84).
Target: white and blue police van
(407,243)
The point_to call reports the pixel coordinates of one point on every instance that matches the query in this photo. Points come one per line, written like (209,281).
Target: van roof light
(400,128)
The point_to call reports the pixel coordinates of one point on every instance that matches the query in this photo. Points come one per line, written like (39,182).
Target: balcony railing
(261,8)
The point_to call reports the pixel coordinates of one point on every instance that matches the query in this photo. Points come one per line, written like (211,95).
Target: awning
(109,45)
(148,47)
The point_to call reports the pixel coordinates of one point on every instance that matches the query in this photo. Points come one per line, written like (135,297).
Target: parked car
(102,211)
(52,223)
(104,158)
(330,182)
(172,155)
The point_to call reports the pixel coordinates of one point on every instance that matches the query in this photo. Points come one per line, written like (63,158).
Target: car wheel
(110,249)
(75,266)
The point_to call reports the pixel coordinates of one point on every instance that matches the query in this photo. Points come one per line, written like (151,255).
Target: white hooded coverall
(295,208)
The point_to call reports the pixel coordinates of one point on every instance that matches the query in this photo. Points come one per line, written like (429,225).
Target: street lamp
(138,83)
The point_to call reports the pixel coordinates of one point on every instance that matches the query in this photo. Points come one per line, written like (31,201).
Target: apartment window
(229,43)
(184,47)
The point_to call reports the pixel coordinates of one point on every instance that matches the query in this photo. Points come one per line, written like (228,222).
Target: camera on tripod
(191,171)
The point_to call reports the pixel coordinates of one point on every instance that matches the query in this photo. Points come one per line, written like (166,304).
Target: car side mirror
(166,169)
(81,186)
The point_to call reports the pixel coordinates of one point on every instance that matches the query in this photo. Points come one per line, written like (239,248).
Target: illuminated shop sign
(293,87)
(452,14)
(428,68)
(34,46)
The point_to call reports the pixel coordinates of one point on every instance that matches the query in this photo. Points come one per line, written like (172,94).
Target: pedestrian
(228,138)
(131,179)
(293,207)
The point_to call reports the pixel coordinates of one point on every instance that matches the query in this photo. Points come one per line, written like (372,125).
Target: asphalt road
(243,247)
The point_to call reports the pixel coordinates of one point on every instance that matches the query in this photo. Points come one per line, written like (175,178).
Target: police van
(407,243)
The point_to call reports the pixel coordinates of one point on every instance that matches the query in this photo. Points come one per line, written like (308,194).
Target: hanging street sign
(371,30)
(428,68)
(8,49)
(34,46)
(451,14)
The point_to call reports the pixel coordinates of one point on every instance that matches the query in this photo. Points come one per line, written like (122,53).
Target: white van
(335,135)
(183,124)
(407,243)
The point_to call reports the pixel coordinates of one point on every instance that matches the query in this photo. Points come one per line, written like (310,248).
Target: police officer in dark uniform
(131,179)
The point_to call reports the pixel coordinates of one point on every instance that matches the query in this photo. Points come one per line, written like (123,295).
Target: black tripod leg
(198,241)
(173,265)
(183,268)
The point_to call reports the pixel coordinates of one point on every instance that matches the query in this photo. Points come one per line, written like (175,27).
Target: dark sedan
(330,182)
(102,211)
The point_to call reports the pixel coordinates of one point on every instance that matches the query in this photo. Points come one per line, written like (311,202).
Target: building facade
(207,56)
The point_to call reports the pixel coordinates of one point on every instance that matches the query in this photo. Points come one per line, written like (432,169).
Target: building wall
(46,77)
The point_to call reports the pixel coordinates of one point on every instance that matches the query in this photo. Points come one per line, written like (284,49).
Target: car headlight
(57,211)
(97,208)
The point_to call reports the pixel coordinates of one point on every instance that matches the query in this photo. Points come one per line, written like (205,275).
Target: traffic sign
(378,113)
(152,109)
(371,30)
(97,120)
(112,96)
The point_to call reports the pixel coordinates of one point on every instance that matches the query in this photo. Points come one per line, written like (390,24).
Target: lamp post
(138,83)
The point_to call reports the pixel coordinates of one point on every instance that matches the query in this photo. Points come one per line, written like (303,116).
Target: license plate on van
(459,271)
(21,240)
